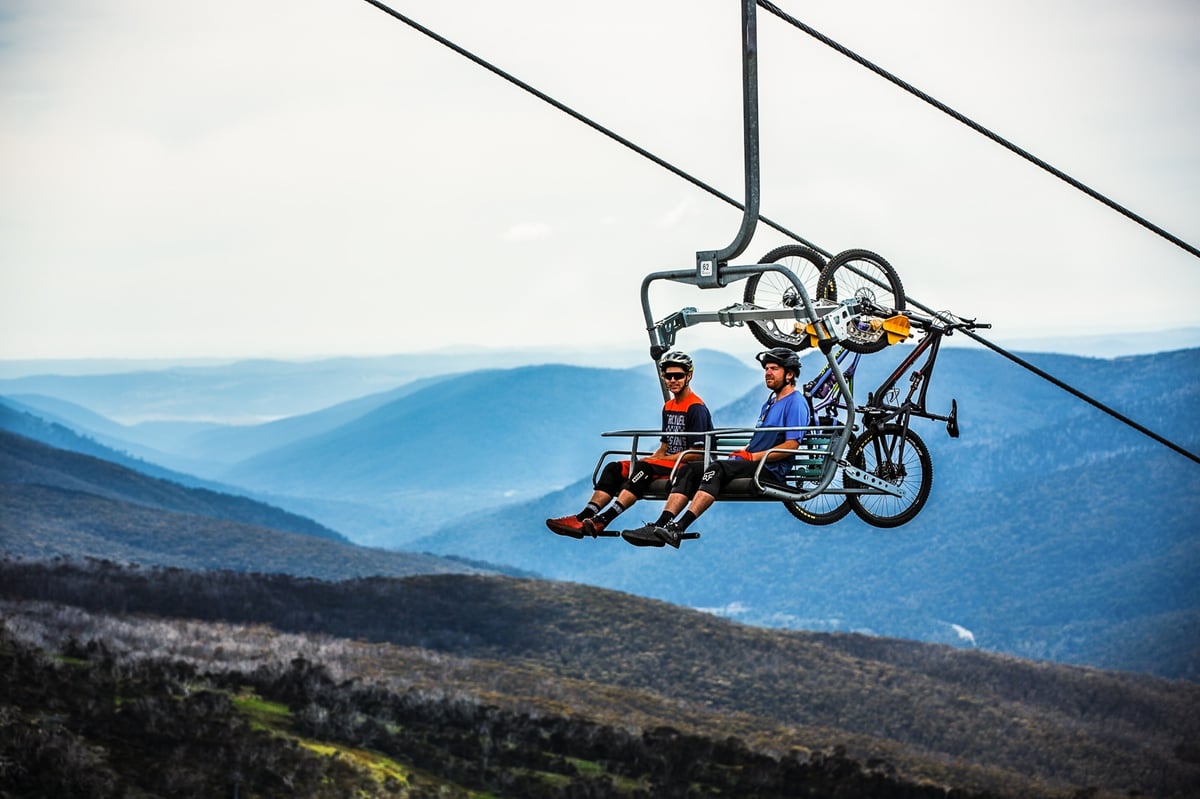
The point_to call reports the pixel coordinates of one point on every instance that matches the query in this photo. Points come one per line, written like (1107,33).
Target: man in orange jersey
(683,413)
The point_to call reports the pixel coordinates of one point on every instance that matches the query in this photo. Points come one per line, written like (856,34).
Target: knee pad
(686,479)
(612,477)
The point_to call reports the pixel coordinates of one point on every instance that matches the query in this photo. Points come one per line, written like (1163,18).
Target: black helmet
(786,358)
(679,358)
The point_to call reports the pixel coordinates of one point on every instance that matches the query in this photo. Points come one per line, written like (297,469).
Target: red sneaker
(566,525)
(593,526)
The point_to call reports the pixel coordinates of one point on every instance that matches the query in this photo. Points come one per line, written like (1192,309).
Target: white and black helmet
(676,358)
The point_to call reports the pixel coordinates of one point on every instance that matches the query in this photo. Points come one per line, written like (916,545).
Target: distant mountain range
(249,391)
(1053,530)
(60,503)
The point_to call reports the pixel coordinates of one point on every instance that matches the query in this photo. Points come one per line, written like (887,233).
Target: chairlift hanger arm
(711,263)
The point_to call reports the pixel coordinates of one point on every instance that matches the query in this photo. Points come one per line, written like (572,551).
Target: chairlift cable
(588,121)
(1005,143)
(731,201)
(1065,386)
(584,119)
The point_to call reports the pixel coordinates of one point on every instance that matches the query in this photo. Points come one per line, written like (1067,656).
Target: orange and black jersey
(689,415)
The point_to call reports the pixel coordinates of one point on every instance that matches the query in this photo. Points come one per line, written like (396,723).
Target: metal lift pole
(709,262)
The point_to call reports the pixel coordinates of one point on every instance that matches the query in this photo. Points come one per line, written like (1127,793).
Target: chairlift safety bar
(766,489)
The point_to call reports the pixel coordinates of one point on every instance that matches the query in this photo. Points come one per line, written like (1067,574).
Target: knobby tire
(878,451)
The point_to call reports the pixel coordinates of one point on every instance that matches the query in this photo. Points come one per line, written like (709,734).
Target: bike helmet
(678,358)
(786,358)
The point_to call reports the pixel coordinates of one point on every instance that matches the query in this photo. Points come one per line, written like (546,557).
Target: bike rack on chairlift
(713,270)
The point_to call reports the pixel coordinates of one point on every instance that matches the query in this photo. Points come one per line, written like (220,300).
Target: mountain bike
(883,473)
(887,447)
(859,274)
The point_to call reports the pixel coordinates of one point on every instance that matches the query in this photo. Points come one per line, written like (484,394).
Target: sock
(664,518)
(591,510)
(614,510)
(687,518)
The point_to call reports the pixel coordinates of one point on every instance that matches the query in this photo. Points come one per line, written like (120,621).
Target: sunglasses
(674,375)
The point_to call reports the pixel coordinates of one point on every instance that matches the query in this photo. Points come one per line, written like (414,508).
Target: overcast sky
(311,177)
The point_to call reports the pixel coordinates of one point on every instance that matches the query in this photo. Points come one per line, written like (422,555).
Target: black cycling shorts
(617,475)
(694,477)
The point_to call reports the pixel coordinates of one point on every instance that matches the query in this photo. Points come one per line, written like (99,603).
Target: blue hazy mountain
(204,448)
(58,503)
(242,392)
(56,431)
(492,432)
(95,434)
(63,433)
(228,444)
(475,440)
(26,462)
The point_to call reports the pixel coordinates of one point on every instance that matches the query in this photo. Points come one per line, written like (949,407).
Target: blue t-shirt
(789,411)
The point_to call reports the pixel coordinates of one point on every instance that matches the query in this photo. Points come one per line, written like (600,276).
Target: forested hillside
(470,674)
(287,729)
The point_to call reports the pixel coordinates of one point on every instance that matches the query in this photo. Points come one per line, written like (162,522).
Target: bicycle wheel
(772,290)
(900,457)
(863,274)
(822,509)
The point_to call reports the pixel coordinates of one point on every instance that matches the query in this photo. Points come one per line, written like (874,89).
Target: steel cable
(975,126)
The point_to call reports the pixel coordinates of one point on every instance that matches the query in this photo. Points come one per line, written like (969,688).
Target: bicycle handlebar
(944,322)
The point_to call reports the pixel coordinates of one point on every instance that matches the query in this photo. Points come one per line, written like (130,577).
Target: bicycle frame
(824,395)
(877,412)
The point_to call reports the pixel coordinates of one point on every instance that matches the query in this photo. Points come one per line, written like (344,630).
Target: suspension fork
(889,450)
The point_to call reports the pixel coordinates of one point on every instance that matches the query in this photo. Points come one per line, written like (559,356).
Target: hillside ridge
(24,461)
(913,704)
(61,503)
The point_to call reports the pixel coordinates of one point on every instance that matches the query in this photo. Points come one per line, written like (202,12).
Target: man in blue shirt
(702,485)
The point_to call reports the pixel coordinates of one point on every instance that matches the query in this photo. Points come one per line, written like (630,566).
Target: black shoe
(593,526)
(670,534)
(644,536)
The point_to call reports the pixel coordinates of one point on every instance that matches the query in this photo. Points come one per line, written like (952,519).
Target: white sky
(309,177)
